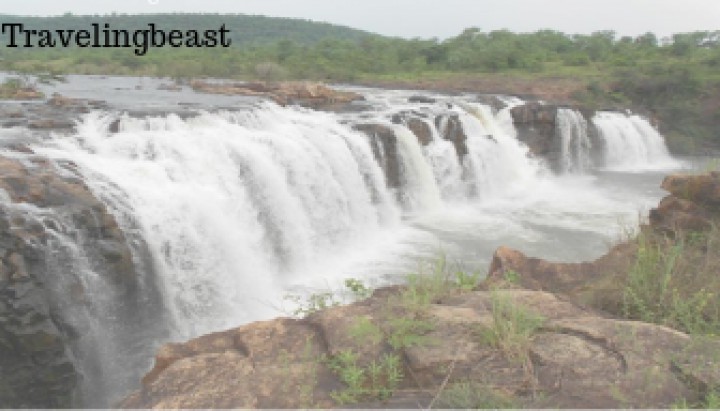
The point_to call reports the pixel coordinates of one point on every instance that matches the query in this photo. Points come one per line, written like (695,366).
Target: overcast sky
(429,18)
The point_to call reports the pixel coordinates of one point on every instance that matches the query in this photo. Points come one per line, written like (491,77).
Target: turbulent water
(631,143)
(237,208)
(574,140)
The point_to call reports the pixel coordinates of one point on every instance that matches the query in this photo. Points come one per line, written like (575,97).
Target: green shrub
(670,280)
(376,381)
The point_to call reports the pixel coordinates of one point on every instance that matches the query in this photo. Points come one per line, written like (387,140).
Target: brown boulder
(675,214)
(701,189)
(693,203)
(593,284)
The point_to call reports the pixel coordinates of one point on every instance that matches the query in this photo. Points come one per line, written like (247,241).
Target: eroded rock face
(578,359)
(535,125)
(40,204)
(450,128)
(589,283)
(693,203)
(415,122)
(384,145)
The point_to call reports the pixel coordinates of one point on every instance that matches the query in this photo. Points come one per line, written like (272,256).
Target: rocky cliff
(46,203)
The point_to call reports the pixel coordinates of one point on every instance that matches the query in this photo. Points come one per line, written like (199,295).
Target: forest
(676,79)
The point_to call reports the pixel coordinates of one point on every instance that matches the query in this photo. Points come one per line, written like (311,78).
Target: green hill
(245,29)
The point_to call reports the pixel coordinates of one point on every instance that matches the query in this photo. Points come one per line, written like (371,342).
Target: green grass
(672,280)
(376,381)
(512,328)
(472,395)
(711,401)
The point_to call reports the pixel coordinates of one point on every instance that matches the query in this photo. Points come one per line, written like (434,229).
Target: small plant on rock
(408,332)
(473,395)
(376,381)
(305,306)
(512,328)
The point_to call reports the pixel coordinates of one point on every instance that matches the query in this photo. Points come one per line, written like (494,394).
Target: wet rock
(492,101)
(415,123)
(535,125)
(50,124)
(450,128)
(38,367)
(384,145)
(421,99)
(421,130)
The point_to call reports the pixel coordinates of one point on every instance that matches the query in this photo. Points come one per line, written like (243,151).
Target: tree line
(676,78)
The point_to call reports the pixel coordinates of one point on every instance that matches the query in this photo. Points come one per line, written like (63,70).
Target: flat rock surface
(576,358)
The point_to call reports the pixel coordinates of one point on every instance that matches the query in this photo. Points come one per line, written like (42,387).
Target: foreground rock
(307,94)
(577,359)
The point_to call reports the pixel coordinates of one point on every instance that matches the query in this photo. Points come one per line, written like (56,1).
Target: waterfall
(232,208)
(230,203)
(574,141)
(421,189)
(445,164)
(631,143)
(496,162)
(227,210)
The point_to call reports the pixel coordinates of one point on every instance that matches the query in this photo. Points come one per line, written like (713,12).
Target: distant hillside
(245,29)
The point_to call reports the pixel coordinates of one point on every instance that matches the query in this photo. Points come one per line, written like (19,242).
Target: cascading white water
(445,165)
(421,191)
(496,162)
(631,143)
(232,204)
(574,141)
